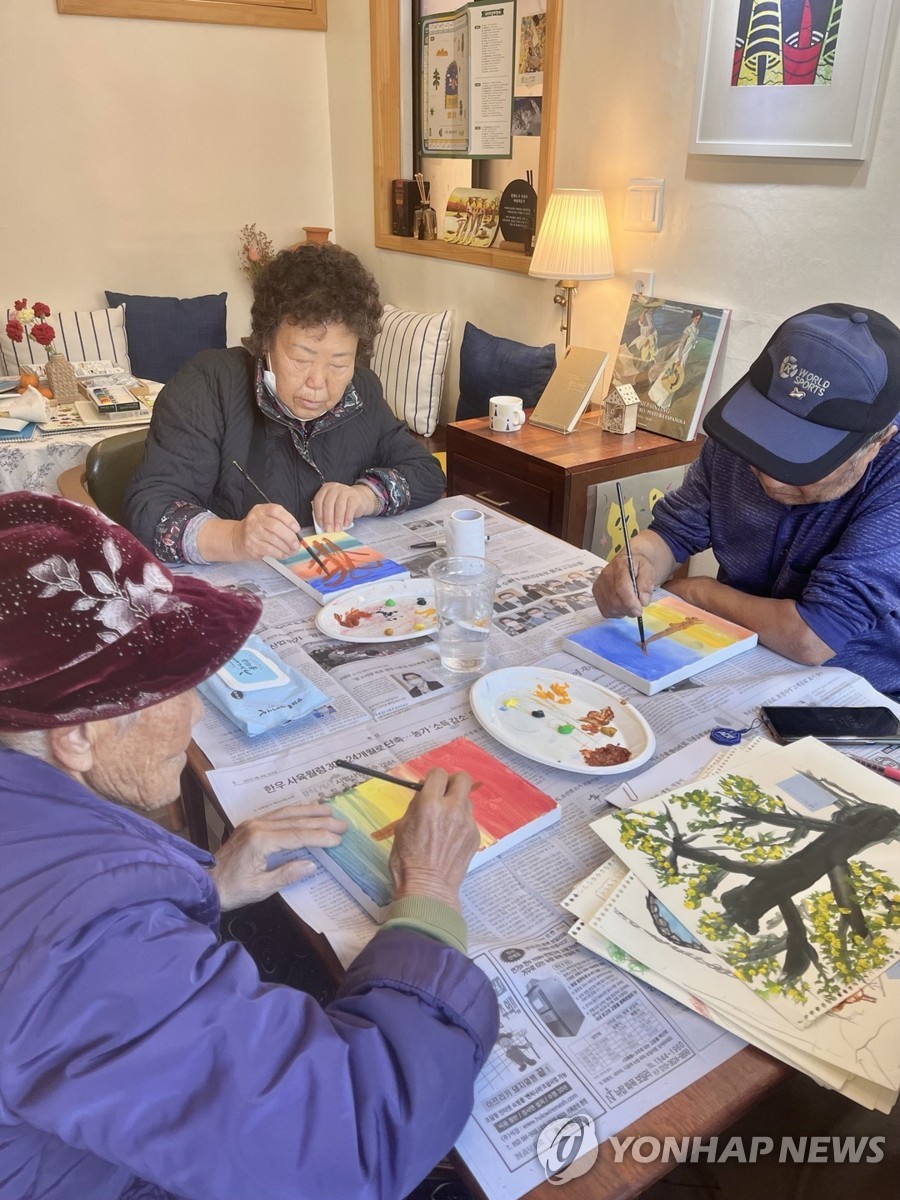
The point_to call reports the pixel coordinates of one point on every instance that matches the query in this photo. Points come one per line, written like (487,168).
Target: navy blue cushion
(495,366)
(163,333)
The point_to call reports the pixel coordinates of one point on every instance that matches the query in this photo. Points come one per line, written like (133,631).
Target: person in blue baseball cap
(796,491)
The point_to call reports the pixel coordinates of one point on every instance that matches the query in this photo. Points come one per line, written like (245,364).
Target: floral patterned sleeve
(170,543)
(391,487)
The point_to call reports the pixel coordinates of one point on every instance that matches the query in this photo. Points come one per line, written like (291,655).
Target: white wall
(134,151)
(765,237)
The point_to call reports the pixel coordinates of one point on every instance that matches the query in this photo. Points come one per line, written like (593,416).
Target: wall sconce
(572,244)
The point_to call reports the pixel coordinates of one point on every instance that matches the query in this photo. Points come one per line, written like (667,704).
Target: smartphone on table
(871,723)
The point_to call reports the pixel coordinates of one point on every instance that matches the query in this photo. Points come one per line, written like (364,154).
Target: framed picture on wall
(788,78)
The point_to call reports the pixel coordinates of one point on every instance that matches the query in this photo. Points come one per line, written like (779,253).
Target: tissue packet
(259,692)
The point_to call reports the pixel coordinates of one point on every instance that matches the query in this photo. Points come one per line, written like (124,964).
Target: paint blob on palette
(562,721)
(381,613)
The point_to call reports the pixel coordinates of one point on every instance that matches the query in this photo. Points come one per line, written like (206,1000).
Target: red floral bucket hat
(92,626)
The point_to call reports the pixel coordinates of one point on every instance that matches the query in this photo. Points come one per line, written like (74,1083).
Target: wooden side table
(543,477)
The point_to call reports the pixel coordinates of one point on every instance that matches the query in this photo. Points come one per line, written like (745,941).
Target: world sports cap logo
(788,368)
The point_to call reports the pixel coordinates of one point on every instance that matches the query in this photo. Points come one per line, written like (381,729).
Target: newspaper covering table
(577,1034)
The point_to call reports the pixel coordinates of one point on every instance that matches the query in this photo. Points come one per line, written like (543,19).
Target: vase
(61,379)
(316,233)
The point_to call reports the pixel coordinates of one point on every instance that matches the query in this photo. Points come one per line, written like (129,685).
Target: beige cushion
(82,336)
(410,357)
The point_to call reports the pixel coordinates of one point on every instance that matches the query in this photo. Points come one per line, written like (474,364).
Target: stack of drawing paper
(328,564)
(766,896)
(506,807)
(680,641)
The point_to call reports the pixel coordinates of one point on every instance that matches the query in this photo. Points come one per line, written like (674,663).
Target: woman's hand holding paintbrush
(267,529)
(436,837)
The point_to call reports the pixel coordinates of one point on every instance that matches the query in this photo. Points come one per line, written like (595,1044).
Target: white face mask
(268,377)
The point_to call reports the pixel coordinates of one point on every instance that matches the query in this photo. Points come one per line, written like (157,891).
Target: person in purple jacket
(797,492)
(141,1057)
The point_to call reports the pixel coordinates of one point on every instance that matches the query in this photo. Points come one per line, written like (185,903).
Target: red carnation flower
(14,330)
(41,310)
(18,305)
(43,333)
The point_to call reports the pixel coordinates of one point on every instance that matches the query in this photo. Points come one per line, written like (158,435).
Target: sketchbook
(506,807)
(680,639)
(82,415)
(669,352)
(345,564)
(783,866)
(24,434)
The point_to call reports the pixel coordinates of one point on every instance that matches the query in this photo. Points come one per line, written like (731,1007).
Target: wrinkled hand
(335,505)
(266,529)
(435,840)
(613,589)
(240,873)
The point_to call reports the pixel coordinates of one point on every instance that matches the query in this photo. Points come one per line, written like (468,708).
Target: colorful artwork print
(784,43)
(345,563)
(803,906)
(676,637)
(665,349)
(472,216)
(502,804)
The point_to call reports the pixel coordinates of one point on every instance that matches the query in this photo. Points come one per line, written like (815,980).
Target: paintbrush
(349,766)
(309,550)
(631,572)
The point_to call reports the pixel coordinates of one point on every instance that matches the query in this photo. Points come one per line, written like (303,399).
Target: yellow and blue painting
(677,635)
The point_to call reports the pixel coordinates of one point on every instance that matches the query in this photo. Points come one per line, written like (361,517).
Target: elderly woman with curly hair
(301,414)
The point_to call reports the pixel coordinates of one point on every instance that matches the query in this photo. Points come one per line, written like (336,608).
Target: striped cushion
(80,336)
(409,358)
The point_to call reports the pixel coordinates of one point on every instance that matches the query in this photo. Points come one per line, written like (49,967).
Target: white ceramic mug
(507,414)
(464,532)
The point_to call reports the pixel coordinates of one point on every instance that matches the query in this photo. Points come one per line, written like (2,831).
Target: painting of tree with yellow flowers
(787,897)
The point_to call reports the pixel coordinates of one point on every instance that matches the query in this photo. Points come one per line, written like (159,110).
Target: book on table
(338,563)
(680,641)
(506,808)
(669,353)
(569,390)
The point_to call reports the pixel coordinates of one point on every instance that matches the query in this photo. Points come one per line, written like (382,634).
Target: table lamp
(572,244)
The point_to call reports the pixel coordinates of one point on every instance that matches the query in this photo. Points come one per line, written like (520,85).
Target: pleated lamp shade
(573,240)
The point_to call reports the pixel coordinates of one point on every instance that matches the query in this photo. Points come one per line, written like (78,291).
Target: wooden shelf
(504,260)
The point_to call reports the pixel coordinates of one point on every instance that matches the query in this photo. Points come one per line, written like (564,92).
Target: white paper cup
(507,414)
(464,532)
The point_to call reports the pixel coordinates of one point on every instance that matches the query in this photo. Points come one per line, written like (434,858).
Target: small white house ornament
(620,409)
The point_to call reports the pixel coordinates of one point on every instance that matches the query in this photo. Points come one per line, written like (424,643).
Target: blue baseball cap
(828,379)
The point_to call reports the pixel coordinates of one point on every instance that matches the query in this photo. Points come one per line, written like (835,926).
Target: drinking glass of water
(464,598)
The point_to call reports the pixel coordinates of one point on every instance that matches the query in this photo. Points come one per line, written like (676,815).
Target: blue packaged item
(259,692)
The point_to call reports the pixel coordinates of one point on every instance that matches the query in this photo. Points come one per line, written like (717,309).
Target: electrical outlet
(642,282)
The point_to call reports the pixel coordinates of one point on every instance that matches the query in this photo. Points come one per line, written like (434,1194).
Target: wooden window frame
(277,14)
(384,37)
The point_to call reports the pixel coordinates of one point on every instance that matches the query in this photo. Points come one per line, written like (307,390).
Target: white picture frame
(817,121)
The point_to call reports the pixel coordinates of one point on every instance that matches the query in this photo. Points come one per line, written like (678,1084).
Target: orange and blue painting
(503,803)
(784,43)
(329,563)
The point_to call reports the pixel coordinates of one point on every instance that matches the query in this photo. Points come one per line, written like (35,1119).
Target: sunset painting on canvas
(503,803)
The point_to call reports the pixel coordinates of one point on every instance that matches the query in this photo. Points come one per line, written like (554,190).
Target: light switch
(644,205)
